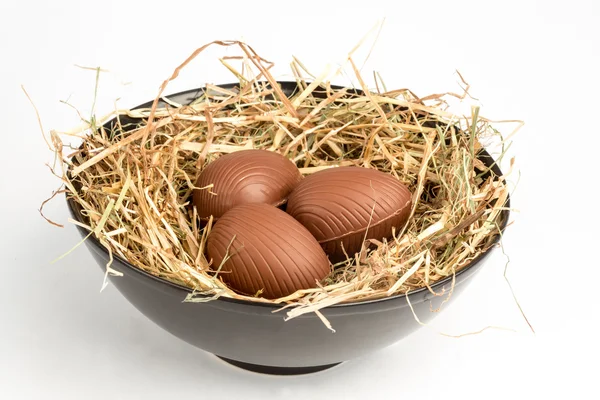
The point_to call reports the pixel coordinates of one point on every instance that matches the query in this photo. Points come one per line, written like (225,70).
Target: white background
(536,61)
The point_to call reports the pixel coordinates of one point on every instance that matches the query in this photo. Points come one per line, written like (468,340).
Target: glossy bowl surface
(251,335)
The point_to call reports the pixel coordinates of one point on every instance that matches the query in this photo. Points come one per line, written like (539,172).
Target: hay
(134,181)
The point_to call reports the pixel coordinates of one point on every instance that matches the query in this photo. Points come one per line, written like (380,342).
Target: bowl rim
(488,160)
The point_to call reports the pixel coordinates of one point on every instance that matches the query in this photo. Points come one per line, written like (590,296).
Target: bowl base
(267,369)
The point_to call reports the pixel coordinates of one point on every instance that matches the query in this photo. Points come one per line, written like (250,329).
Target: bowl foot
(266,369)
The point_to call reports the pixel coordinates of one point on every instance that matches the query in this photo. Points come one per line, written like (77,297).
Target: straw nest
(134,180)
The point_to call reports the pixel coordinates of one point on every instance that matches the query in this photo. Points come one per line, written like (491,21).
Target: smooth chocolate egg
(259,247)
(343,206)
(244,177)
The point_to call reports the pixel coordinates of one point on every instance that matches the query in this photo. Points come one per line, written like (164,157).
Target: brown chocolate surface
(247,176)
(269,250)
(337,206)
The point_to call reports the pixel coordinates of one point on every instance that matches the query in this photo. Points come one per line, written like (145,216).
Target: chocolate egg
(243,177)
(258,247)
(343,206)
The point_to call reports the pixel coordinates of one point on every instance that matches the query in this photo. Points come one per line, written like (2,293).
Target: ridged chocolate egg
(259,247)
(244,177)
(343,206)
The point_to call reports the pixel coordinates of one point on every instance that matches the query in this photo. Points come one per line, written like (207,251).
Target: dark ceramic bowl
(250,335)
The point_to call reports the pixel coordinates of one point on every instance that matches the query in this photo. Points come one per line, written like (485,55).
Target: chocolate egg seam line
(328,221)
(310,186)
(298,228)
(309,201)
(246,176)
(359,217)
(380,194)
(295,225)
(295,280)
(245,278)
(249,251)
(309,263)
(235,173)
(310,191)
(340,237)
(360,214)
(303,271)
(312,181)
(276,258)
(267,285)
(298,211)
(232,182)
(224,273)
